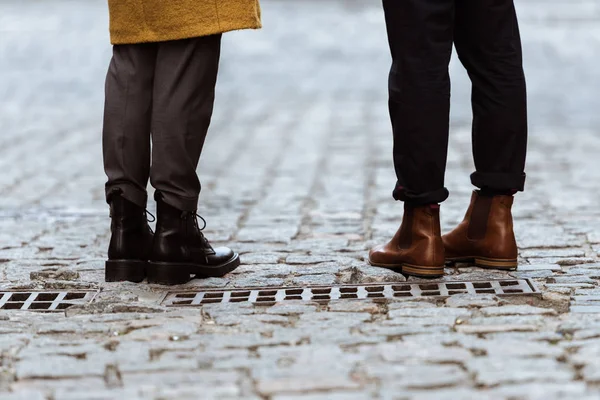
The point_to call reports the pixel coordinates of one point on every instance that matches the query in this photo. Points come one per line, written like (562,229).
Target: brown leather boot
(485,237)
(417,247)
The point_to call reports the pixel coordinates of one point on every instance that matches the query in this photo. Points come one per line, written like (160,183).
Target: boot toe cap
(377,255)
(224,253)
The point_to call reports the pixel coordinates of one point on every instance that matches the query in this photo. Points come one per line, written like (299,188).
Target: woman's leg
(127,117)
(184,94)
(126,146)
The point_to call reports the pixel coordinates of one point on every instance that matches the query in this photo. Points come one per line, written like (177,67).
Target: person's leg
(127,116)
(488,43)
(126,147)
(184,92)
(420,34)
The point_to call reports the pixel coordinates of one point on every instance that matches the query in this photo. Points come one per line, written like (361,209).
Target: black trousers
(162,92)
(487,40)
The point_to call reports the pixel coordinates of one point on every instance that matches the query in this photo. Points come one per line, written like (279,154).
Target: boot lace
(146,213)
(187,214)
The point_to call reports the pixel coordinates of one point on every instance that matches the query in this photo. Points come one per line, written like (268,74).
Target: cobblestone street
(297,176)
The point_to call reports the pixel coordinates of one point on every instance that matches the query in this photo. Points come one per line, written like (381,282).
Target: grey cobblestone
(297,177)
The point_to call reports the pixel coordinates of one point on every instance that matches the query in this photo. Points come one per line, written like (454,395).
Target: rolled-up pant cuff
(417,199)
(179,202)
(129,192)
(499,181)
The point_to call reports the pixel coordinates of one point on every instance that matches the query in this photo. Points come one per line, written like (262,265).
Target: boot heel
(167,274)
(423,271)
(124,270)
(491,263)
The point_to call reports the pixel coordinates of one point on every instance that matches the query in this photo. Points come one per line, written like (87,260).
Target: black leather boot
(180,249)
(130,242)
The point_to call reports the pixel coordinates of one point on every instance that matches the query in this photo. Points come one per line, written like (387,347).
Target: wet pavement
(297,177)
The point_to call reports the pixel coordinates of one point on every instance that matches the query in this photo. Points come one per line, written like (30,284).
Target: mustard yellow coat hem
(181,33)
(143,21)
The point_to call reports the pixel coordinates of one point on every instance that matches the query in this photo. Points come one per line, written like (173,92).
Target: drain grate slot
(399,291)
(43,300)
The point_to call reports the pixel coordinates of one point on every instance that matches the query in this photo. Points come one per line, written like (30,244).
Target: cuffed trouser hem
(129,192)
(499,181)
(179,202)
(419,199)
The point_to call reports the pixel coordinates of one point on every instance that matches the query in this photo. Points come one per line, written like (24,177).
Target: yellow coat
(141,21)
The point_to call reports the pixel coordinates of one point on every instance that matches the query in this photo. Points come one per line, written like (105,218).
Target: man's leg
(126,146)
(127,116)
(420,33)
(186,76)
(184,94)
(489,46)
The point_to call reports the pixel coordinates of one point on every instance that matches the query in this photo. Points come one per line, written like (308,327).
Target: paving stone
(591,333)
(560,286)
(24,395)
(258,281)
(591,372)
(316,280)
(496,371)
(400,393)
(416,352)
(516,310)
(57,367)
(418,376)
(411,303)
(262,258)
(338,395)
(429,312)
(482,329)
(190,392)
(573,279)
(575,261)
(545,252)
(539,267)
(300,259)
(542,391)
(92,384)
(404,330)
(519,348)
(293,309)
(99,394)
(180,378)
(585,309)
(290,373)
(367,274)
(469,300)
(541,274)
(354,306)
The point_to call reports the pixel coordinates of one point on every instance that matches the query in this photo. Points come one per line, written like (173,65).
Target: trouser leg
(127,116)
(184,93)
(488,43)
(420,33)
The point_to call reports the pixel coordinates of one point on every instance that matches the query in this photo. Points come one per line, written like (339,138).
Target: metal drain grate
(44,301)
(504,287)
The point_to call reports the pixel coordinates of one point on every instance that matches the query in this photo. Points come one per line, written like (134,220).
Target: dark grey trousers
(164,93)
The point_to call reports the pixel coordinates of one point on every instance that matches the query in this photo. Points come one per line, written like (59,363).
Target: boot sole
(170,273)
(125,271)
(487,263)
(413,270)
